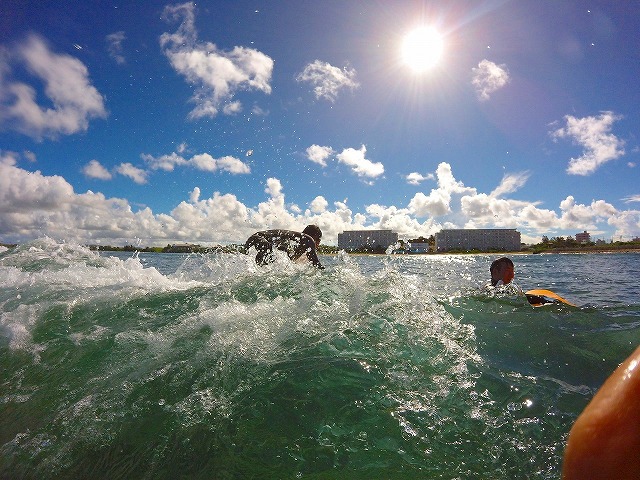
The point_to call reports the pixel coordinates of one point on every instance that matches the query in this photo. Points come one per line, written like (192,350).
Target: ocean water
(165,366)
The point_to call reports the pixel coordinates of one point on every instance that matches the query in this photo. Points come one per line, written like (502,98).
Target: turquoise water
(173,366)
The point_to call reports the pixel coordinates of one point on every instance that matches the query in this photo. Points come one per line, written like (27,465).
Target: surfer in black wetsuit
(295,244)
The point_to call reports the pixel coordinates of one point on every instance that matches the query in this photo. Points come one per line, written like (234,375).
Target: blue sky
(152,122)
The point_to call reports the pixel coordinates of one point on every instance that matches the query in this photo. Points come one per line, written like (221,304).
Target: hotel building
(483,239)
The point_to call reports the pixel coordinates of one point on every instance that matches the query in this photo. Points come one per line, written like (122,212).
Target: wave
(209,366)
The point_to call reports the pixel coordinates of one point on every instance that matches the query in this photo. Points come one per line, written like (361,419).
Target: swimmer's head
(501,269)
(314,232)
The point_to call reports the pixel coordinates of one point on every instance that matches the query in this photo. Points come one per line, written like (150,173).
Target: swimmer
(502,270)
(295,244)
(604,442)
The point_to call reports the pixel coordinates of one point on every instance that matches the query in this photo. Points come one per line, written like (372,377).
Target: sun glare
(422,48)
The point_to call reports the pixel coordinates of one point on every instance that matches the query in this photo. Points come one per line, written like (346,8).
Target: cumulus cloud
(438,202)
(327,80)
(138,175)
(24,193)
(319,155)
(8,158)
(217,75)
(66,85)
(14,157)
(353,158)
(489,77)
(415,178)
(114,46)
(361,166)
(94,169)
(318,204)
(33,205)
(577,215)
(594,135)
(203,161)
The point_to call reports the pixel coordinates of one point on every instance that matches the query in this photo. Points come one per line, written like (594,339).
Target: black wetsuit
(295,244)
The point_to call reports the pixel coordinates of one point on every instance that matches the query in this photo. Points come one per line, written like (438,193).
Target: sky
(149,123)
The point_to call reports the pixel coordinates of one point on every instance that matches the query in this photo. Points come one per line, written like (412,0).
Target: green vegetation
(175,248)
(569,244)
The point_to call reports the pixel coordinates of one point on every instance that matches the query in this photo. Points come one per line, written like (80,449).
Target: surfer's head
(501,269)
(314,232)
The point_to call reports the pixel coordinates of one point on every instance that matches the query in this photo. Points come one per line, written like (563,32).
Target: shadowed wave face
(162,365)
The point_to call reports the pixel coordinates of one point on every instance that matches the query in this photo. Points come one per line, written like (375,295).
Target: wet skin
(604,442)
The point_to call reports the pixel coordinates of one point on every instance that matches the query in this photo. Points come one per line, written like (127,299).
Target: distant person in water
(604,442)
(295,244)
(502,270)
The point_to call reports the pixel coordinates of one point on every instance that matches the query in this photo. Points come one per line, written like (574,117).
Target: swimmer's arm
(308,246)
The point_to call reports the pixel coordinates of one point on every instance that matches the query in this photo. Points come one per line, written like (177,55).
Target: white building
(366,238)
(483,239)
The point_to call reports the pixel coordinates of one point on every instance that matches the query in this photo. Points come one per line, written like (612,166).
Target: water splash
(207,365)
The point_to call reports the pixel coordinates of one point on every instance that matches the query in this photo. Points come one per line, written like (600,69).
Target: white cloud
(631,199)
(359,164)
(232,108)
(258,111)
(138,175)
(489,77)
(29,155)
(14,157)
(511,183)
(94,169)
(232,165)
(438,202)
(8,158)
(626,223)
(66,85)
(415,178)
(217,75)
(594,135)
(33,205)
(328,80)
(435,204)
(23,192)
(319,155)
(580,216)
(319,204)
(203,161)
(114,46)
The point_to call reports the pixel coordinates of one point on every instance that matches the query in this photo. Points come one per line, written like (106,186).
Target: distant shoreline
(220,248)
(546,252)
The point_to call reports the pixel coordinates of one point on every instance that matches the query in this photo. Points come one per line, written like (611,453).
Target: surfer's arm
(306,245)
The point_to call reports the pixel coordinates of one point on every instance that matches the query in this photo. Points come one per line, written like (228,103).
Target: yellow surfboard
(540,297)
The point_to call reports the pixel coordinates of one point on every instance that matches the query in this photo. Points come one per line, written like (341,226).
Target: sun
(422,49)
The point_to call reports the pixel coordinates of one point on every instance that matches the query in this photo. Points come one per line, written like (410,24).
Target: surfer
(605,439)
(295,244)
(502,270)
